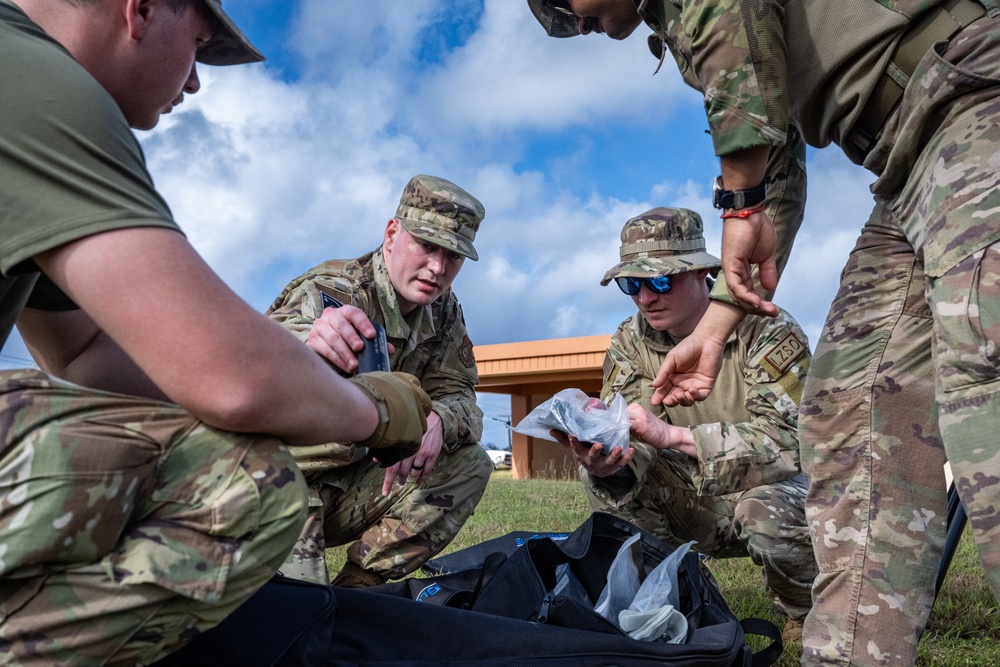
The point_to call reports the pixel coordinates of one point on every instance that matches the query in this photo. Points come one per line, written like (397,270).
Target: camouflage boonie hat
(662,241)
(439,212)
(556,17)
(228,46)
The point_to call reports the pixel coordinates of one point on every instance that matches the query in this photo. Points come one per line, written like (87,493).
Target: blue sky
(276,167)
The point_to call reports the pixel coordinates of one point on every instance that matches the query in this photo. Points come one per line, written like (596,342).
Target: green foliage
(964,628)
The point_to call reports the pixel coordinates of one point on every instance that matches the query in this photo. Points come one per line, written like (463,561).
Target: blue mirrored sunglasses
(631,286)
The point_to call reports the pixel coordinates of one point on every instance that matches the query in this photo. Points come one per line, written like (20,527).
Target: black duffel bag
(491,604)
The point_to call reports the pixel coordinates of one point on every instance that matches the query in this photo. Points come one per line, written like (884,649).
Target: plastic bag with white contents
(654,613)
(587,419)
(623,580)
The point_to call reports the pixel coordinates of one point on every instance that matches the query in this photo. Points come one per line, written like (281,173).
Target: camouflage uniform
(915,298)
(744,494)
(396,534)
(126,525)
(133,519)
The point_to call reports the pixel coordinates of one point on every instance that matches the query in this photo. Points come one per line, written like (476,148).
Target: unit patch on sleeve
(333,297)
(611,370)
(784,352)
(465,354)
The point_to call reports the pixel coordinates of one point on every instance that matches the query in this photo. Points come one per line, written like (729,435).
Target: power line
(21,362)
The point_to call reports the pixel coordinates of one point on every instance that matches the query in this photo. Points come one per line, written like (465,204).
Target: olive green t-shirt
(70,166)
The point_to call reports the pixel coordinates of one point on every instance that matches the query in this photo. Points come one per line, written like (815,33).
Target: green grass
(964,628)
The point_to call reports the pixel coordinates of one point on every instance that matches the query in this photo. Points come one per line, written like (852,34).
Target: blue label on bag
(428,592)
(555,537)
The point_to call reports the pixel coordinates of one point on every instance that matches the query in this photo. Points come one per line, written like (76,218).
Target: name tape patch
(785,351)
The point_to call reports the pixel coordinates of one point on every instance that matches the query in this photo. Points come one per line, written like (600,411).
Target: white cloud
(271,176)
(271,171)
(511,75)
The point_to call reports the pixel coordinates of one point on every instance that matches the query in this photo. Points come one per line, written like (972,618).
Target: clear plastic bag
(623,580)
(654,613)
(648,610)
(587,419)
(569,586)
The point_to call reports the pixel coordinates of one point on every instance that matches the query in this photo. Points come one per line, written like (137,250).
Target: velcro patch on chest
(783,353)
(610,369)
(333,297)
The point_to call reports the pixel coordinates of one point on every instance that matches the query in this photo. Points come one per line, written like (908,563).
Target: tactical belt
(937,24)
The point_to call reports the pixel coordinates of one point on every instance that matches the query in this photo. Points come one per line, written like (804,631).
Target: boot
(792,632)
(355,576)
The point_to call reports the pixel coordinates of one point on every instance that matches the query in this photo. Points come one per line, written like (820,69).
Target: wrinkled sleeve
(296,308)
(301,302)
(738,57)
(622,376)
(785,205)
(450,379)
(734,457)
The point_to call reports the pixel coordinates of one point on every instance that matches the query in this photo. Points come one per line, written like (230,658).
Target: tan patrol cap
(661,242)
(229,46)
(440,212)
(556,17)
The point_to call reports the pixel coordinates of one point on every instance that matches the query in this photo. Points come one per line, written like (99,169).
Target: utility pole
(510,434)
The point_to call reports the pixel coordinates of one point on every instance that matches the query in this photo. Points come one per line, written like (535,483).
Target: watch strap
(738,199)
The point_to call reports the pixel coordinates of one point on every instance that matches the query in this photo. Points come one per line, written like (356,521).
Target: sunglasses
(560,21)
(566,11)
(631,286)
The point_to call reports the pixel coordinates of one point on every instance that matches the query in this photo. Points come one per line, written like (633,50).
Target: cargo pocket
(205,505)
(966,302)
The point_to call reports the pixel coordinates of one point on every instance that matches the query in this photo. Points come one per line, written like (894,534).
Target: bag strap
(770,654)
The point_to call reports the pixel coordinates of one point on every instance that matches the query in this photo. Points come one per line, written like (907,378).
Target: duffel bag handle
(770,654)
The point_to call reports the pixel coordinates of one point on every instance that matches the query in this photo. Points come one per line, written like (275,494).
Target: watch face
(717,192)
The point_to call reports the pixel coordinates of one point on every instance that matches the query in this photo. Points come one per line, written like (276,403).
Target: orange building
(531,372)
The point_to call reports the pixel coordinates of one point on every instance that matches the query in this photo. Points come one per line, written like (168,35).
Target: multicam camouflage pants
(766,523)
(392,535)
(907,370)
(126,526)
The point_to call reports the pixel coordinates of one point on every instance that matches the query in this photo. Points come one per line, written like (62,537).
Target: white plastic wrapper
(587,419)
(654,613)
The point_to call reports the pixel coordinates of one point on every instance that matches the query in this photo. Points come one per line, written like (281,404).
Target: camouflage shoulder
(776,345)
(330,284)
(620,358)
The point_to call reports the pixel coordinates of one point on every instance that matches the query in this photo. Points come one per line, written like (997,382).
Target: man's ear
(137,16)
(391,233)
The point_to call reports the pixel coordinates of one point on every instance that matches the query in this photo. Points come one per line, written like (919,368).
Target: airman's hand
(688,373)
(418,467)
(747,242)
(692,366)
(591,455)
(337,336)
(647,427)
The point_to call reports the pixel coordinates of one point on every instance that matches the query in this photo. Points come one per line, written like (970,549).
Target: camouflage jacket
(430,343)
(745,432)
(776,73)
(766,64)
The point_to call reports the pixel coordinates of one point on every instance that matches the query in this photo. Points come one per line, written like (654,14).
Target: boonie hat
(556,23)
(229,46)
(439,212)
(662,241)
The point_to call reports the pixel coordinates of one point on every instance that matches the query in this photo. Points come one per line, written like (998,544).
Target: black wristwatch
(737,199)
